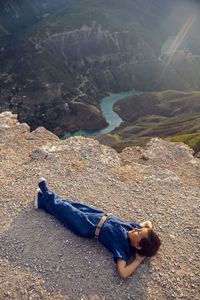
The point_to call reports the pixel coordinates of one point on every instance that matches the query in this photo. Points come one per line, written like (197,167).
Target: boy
(119,237)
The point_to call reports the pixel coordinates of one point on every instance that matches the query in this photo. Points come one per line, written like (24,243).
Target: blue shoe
(43,185)
(37,203)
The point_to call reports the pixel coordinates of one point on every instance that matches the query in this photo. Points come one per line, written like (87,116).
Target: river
(111,117)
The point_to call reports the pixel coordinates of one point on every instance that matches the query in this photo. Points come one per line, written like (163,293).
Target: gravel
(41,259)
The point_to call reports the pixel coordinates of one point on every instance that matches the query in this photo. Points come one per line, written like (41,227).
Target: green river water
(107,108)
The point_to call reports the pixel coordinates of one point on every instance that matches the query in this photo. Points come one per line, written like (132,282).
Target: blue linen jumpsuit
(82,220)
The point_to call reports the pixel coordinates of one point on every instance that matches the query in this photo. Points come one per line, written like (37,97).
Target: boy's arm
(126,270)
(146,224)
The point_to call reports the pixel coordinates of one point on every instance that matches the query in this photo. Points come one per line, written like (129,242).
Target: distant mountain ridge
(18,15)
(73,52)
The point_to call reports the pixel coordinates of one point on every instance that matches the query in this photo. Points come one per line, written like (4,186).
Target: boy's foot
(37,203)
(43,185)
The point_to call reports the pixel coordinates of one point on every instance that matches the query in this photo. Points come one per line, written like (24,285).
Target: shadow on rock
(75,266)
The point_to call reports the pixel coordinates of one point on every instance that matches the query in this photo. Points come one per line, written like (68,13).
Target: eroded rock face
(104,55)
(52,112)
(159,182)
(73,116)
(112,49)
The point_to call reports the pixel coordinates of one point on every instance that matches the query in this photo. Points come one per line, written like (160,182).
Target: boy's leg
(83,207)
(70,216)
(43,185)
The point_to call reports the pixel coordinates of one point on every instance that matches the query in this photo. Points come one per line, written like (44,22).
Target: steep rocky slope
(40,259)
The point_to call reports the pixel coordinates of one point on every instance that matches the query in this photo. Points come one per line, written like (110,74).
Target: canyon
(58,65)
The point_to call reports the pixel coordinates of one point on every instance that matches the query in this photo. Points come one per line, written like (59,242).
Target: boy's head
(145,240)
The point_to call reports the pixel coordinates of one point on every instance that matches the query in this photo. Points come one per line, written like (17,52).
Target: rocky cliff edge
(40,259)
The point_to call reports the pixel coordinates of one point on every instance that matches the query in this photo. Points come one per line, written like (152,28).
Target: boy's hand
(146,224)
(126,270)
(139,258)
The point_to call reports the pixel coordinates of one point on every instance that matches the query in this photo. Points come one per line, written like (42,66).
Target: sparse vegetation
(174,115)
(192,140)
(125,173)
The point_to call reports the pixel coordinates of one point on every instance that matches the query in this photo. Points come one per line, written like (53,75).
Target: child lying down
(119,237)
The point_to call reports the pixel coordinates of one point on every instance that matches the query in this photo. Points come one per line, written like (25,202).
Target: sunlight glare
(179,40)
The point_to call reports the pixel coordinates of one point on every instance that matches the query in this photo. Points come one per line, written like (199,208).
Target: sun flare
(178,41)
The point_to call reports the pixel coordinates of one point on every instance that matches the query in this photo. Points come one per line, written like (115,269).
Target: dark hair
(149,245)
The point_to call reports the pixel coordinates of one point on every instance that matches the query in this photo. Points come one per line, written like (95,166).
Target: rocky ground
(40,259)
